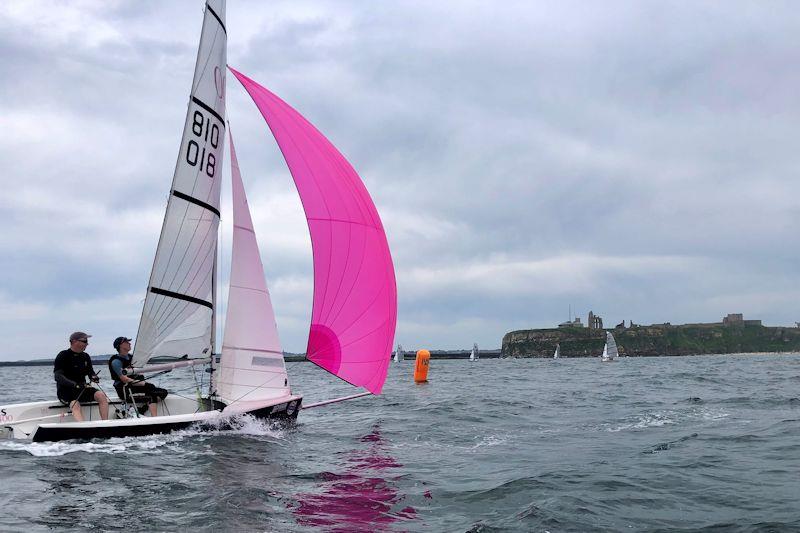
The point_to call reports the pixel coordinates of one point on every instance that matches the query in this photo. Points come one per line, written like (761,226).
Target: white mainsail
(610,348)
(474,354)
(178,312)
(251,366)
(557,353)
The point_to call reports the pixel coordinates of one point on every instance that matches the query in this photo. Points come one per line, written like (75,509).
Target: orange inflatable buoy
(421,366)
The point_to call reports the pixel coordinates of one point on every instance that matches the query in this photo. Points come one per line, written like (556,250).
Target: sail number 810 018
(206,132)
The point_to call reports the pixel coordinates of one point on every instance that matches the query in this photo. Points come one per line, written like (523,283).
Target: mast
(211,379)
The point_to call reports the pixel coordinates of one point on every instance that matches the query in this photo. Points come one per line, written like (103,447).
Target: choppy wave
(109,446)
(656,444)
(668,417)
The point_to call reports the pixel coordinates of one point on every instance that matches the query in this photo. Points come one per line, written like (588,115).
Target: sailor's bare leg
(153,409)
(102,404)
(75,405)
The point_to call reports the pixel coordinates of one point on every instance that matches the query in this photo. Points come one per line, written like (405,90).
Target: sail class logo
(219,82)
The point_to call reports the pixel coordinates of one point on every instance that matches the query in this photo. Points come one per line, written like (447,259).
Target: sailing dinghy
(474,354)
(355,300)
(398,354)
(610,349)
(557,353)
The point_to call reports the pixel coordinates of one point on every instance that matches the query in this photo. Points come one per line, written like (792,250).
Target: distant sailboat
(557,353)
(474,354)
(398,354)
(610,349)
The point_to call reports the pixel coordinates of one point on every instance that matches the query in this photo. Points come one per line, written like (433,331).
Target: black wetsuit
(70,371)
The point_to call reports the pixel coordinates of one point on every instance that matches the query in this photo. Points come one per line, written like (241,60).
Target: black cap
(120,340)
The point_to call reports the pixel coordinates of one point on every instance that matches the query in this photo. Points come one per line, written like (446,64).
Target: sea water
(641,444)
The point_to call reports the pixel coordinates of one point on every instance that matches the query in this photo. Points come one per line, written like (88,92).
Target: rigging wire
(198,394)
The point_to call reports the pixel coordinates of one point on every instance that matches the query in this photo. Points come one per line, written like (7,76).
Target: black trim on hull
(56,434)
(281,411)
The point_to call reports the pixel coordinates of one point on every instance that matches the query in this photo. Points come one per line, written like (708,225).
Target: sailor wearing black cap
(128,384)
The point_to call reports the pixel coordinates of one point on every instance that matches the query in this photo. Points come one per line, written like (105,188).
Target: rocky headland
(653,340)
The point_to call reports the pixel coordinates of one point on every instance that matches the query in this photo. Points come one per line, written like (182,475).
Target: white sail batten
(177,318)
(251,366)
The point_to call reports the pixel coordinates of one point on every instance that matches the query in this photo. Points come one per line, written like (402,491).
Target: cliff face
(649,341)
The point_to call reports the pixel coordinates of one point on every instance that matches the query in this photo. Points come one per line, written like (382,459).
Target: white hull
(52,421)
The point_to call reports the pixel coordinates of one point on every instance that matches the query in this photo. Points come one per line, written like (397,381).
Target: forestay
(355,297)
(251,366)
(178,309)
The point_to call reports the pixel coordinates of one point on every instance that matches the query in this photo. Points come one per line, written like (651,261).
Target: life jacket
(126,362)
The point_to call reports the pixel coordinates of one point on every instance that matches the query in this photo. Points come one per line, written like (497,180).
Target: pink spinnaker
(355,296)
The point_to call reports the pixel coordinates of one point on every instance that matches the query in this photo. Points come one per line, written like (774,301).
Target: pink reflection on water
(359,499)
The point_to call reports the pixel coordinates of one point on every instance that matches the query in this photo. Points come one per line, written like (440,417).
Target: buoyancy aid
(126,363)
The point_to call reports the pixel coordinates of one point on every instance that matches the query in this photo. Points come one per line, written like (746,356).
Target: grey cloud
(489,136)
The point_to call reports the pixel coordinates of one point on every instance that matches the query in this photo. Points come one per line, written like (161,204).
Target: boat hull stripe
(195,201)
(282,411)
(179,296)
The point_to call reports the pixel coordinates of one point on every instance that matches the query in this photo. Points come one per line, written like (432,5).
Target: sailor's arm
(63,380)
(92,375)
(117,364)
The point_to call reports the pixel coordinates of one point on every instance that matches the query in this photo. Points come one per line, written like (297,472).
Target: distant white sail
(475,353)
(610,348)
(398,354)
(611,344)
(557,353)
(179,306)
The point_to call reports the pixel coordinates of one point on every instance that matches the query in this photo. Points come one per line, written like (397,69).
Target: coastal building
(737,319)
(595,322)
(572,323)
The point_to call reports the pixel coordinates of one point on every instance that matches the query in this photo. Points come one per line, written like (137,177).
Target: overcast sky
(636,159)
